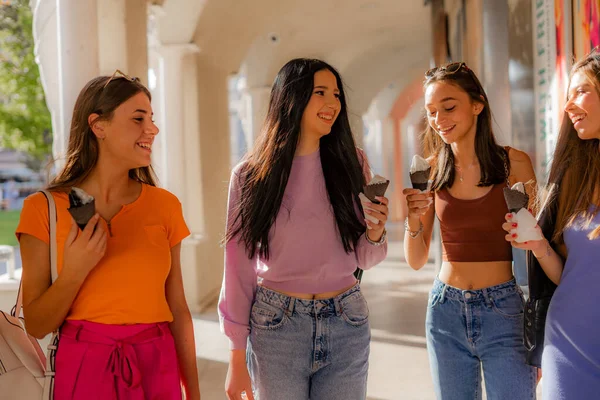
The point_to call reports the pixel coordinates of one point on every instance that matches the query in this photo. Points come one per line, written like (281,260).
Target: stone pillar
(439,35)
(78,59)
(214,177)
(356,124)
(136,14)
(112,37)
(45,34)
(487,53)
(175,103)
(257,103)
(123,37)
(496,56)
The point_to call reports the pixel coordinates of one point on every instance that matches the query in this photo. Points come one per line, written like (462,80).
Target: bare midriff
(475,275)
(313,296)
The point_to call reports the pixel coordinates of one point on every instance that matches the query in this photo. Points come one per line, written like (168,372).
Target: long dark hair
(491,156)
(266,169)
(102,96)
(575,170)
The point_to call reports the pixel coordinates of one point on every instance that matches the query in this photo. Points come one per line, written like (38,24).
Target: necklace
(462,176)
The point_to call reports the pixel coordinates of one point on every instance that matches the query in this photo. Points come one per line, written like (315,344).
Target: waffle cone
(420,179)
(83,214)
(515,200)
(376,189)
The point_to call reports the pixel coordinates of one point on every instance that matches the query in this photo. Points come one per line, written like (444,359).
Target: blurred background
(210,65)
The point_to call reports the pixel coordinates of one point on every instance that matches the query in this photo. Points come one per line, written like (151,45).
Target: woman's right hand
(418,202)
(538,247)
(238,377)
(83,252)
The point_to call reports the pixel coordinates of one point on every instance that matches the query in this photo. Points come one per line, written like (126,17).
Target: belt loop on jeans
(443,293)
(487,297)
(337,305)
(290,306)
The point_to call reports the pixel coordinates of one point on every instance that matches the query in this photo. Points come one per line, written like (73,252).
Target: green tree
(25,122)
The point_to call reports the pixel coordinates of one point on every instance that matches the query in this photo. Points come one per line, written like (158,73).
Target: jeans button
(467,295)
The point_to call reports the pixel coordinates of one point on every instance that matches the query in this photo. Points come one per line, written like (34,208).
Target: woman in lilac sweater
(296,232)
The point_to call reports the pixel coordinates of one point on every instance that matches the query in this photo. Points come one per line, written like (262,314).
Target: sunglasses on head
(449,69)
(118,74)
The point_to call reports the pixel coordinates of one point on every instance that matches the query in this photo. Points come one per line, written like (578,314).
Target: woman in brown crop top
(475,310)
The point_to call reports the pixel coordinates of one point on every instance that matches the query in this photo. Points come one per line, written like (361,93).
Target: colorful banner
(545,83)
(586,26)
(563,50)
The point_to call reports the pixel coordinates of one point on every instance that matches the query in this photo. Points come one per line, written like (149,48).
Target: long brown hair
(101,95)
(491,156)
(575,170)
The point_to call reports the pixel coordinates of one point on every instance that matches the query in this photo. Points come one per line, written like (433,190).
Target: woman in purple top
(296,233)
(570,258)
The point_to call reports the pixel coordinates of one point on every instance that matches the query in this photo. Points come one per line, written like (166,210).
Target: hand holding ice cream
(523,225)
(82,206)
(375,206)
(419,173)
(419,198)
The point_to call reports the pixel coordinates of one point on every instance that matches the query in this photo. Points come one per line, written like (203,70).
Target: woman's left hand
(380,213)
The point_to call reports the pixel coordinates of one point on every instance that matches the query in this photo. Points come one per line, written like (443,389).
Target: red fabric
(101,361)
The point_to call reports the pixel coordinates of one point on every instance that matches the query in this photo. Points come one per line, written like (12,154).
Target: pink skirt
(133,362)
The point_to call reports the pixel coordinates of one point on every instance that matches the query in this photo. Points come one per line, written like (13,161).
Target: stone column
(45,34)
(66,35)
(123,37)
(177,147)
(136,14)
(356,124)
(496,56)
(487,53)
(215,169)
(257,103)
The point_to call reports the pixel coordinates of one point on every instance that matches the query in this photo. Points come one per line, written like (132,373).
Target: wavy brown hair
(491,156)
(575,170)
(102,96)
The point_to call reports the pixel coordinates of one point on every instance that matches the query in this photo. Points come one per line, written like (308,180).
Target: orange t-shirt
(128,285)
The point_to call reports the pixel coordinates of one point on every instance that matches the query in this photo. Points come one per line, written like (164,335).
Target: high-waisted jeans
(301,349)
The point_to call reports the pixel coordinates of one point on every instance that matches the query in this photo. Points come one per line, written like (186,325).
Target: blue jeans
(472,329)
(309,349)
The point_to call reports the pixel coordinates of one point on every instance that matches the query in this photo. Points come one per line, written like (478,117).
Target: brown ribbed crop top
(472,229)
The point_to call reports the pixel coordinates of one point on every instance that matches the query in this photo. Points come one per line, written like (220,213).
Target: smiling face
(323,107)
(128,137)
(451,112)
(583,106)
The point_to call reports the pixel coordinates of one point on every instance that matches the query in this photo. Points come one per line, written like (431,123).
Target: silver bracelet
(413,234)
(380,241)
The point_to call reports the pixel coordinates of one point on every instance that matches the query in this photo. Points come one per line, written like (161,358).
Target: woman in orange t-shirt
(125,328)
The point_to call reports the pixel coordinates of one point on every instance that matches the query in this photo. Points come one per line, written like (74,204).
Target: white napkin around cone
(526,224)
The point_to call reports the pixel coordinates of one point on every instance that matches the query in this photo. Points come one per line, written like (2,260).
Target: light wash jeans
(309,349)
(472,329)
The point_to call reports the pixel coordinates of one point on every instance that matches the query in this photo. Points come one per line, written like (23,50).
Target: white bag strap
(48,393)
(53,251)
(53,246)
